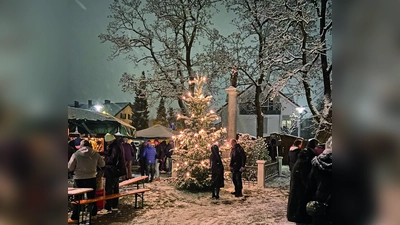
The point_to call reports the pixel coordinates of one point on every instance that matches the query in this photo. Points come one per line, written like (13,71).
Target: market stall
(90,125)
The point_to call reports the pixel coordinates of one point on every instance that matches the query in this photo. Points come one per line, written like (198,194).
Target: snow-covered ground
(166,205)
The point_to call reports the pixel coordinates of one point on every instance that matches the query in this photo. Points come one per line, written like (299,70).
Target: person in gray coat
(84,163)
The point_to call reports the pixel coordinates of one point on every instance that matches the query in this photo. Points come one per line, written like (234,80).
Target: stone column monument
(231,129)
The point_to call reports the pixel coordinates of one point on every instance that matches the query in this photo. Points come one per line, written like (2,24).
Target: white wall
(246,124)
(287,107)
(273,124)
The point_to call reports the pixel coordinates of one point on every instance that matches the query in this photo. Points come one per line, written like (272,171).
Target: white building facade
(276,112)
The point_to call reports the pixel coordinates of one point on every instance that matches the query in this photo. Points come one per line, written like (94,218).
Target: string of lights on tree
(193,144)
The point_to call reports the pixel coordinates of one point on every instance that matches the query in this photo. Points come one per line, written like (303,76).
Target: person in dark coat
(168,156)
(129,155)
(115,168)
(163,153)
(320,184)
(237,164)
(296,210)
(142,159)
(217,171)
(71,150)
(294,151)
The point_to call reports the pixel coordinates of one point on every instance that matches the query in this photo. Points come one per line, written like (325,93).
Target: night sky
(91,74)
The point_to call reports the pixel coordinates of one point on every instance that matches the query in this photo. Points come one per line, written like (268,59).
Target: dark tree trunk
(260,119)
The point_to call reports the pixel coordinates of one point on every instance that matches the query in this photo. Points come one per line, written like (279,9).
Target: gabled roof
(156,131)
(113,108)
(252,87)
(88,115)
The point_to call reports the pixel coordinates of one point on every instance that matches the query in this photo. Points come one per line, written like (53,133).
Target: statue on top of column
(234,76)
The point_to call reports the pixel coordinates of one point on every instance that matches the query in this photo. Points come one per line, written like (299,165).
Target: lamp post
(299,110)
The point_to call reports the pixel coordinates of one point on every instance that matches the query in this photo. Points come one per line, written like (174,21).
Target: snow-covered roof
(156,131)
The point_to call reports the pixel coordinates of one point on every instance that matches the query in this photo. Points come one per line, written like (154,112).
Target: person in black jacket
(217,171)
(237,164)
(115,168)
(320,185)
(142,159)
(296,210)
(294,152)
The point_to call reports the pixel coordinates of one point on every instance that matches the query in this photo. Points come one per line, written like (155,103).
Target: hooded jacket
(319,186)
(293,153)
(296,210)
(84,163)
(150,154)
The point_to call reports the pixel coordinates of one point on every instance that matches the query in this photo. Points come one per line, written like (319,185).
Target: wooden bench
(136,180)
(137,192)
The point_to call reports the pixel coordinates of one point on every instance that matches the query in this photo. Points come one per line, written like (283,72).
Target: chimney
(76,104)
(107,101)
(90,104)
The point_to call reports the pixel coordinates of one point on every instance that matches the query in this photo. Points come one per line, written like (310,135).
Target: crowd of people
(86,166)
(156,158)
(310,192)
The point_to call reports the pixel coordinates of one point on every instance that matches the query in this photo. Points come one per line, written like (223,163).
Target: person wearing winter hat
(84,163)
(320,187)
(294,151)
(296,209)
(115,167)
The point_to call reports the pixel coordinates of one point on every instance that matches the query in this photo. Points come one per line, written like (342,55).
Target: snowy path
(165,205)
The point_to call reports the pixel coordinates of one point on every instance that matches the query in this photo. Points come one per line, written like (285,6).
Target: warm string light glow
(186,163)
(187,174)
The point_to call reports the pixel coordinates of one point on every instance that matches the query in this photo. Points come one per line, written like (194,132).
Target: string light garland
(193,145)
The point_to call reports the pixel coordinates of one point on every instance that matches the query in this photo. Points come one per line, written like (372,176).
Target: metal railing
(249,175)
(271,170)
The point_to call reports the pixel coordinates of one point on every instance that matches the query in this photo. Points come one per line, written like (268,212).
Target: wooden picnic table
(136,180)
(78,191)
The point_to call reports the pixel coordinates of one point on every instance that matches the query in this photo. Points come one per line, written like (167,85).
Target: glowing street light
(98,108)
(299,110)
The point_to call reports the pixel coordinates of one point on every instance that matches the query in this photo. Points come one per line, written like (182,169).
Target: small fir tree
(140,115)
(192,146)
(256,149)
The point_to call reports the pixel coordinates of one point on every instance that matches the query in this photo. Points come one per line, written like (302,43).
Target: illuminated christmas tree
(192,146)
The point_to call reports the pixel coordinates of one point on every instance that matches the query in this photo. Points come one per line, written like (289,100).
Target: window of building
(247,108)
(286,121)
(129,116)
(271,107)
(123,116)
